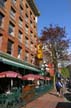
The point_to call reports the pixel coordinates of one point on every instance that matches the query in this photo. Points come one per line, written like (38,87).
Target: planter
(67,97)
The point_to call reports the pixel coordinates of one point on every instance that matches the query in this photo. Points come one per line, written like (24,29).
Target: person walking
(59,87)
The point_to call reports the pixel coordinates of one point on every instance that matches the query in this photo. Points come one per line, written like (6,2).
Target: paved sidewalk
(49,100)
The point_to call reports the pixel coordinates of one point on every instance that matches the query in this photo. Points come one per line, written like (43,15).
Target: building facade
(18,29)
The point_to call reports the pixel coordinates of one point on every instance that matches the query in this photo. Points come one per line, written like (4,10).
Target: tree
(65,72)
(54,38)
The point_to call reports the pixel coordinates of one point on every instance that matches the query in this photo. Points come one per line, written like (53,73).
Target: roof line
(34,8)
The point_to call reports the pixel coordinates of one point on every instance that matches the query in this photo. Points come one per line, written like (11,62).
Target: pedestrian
(59,87)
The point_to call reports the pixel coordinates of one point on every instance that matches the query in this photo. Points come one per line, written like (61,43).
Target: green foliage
(65,72)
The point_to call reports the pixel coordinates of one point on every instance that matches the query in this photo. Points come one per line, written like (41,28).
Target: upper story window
(20,35)
(1,19)
(32,59)
(20,22)
(12,13)
(21,10)
(35,38)
(35,26)
(30,14)
(31,24)
(2,3)
(14,1)
(21,1)
(31,34)
(26,6)
(19,51)
(26,42)
(34,18)
(26,57)
(11,28)
(26,17)
(31,46)
(26,29)
(10,47)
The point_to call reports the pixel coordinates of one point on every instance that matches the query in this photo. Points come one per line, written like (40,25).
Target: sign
(39,51)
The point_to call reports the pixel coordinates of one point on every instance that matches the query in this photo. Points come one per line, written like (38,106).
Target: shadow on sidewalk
(63,105)
(54,94)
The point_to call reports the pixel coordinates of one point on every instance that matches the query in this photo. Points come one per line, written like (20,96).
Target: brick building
(18,31)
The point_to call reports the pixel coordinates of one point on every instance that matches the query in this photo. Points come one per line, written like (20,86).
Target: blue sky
(54,12)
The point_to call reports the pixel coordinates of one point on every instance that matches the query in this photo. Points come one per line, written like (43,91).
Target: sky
(55,12)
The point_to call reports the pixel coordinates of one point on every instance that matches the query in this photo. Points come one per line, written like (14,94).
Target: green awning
(16,64)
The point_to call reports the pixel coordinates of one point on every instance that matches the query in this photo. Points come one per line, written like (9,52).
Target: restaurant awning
(16,63)
(32,77)
(10,74)
(47,78)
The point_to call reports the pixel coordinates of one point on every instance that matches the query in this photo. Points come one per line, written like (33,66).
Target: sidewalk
(49,100)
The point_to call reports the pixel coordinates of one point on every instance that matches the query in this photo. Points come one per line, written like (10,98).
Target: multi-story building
(18,31)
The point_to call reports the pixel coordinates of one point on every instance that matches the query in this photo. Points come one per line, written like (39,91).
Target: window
(20,35)
(10,47)
(26,6)
(31,34)
(11,29)
(21,1)
(31,24)
(26,17)
(34,18)
(19,51)
(32,59)
(35,38)
(1,19)
(26,42)
(2,3)
(12,13)
(26,29)
(31,46)
(20,22)
(30,14)
(14,1)
(26,56)
(21,10)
